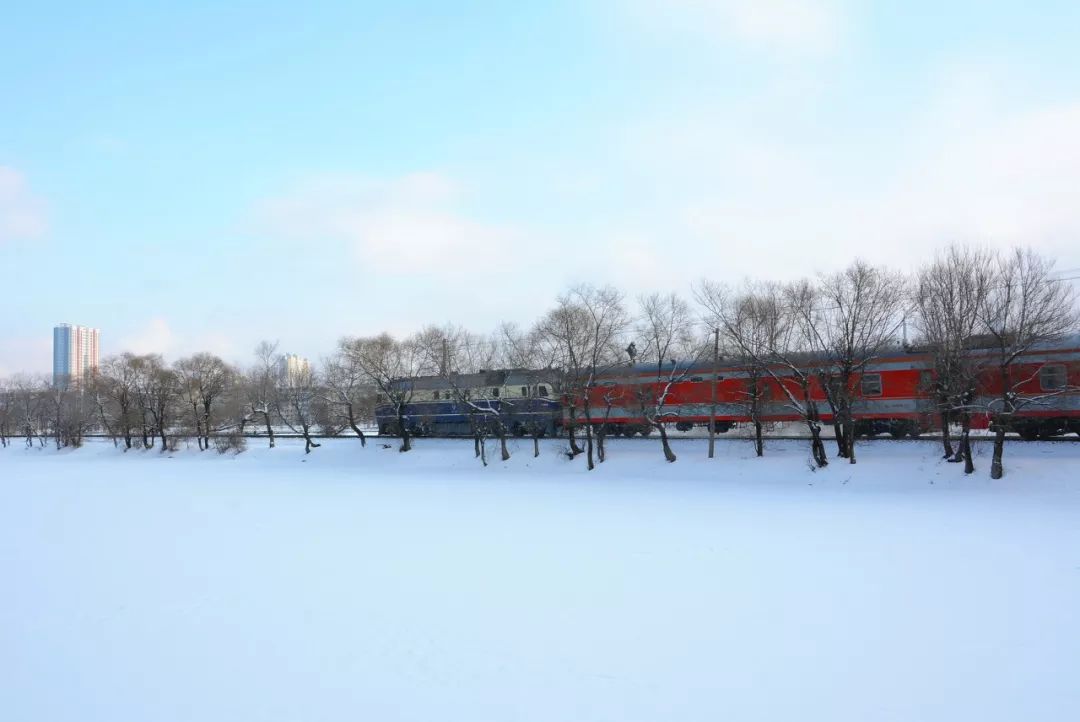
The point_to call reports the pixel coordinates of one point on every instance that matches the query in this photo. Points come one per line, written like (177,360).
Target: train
(894,397)
(521,401)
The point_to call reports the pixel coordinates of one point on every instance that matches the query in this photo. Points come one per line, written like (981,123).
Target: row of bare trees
(140,401)
(797,337)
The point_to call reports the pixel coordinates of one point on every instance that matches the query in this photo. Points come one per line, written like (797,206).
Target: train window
(696,379)
(1052,378)
(524,390)
(435,394)
(494,393)
(871,385)
(542,390)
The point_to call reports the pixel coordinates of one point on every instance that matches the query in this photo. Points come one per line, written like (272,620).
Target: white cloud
(971,165)
(158,336)
(412,224)
(22,214)
(802,27)
(154,337)
(25,354)
(1013,179)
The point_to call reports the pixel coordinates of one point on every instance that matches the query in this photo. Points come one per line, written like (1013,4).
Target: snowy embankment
(364,584)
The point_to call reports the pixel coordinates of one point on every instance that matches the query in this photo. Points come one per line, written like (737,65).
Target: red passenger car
(894,394)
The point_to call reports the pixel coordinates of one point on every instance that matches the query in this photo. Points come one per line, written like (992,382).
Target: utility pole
(715,373)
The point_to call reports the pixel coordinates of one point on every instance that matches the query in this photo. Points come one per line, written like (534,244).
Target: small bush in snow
(232,441)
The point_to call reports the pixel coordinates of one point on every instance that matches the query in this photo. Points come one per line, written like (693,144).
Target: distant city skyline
(190,184)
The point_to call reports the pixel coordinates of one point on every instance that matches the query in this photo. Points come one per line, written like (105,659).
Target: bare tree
(142,368)
(527,353)
(948,295)
(774,341)
(158,389)
(744,325)
(116,393)
(848,320)
(298,397)
(203,379)
(666,329)
(6,408)
(392,367)
(30,408)
(67,408)
(585,328)
(261,385)
(1024,307)
(465,361)
(347,390)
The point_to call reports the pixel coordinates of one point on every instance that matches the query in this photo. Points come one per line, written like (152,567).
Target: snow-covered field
(363,584)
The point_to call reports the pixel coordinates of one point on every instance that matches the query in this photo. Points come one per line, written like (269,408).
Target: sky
(207,175)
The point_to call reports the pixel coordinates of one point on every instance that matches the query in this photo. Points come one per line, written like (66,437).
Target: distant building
(75,352)
(291,367)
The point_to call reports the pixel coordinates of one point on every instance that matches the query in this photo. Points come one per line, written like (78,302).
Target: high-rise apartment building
(75,352)
(292,367)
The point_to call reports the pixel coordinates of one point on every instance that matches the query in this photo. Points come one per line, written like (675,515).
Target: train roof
(495,377)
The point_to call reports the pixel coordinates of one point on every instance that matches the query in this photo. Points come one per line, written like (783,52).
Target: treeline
(814,333)
(142,402)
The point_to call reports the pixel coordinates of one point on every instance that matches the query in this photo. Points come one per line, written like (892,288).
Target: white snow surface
(365,584)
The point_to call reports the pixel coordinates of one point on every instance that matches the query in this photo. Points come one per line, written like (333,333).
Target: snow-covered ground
(364,584)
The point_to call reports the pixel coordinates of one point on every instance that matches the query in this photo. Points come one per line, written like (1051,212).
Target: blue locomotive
(516,401)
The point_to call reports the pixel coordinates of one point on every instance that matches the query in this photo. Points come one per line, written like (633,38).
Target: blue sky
(204,176)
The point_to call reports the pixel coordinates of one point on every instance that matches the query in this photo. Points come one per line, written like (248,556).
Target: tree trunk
(355,428)
(198,424)
(963,453)
(838,436)
(502,442)
(206,421)
(536,445)
(406,442)
(571,430)
(759,443)
(946,439)
(668,453)
(817,448)
(849,439)
(601,433)
(996,468)
(712,392)
(309,443)
(589,443)
(269,427)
